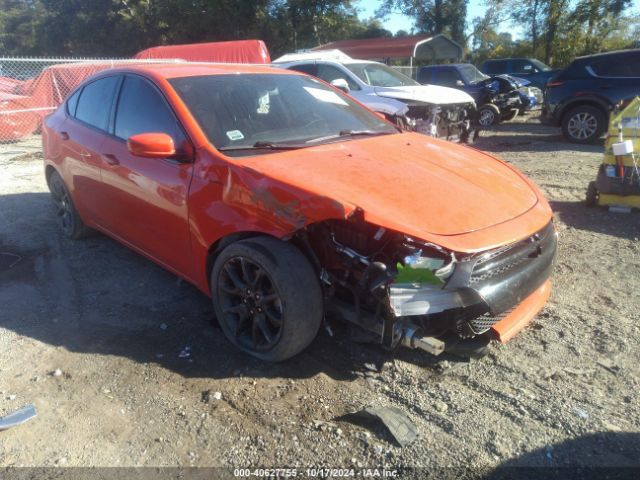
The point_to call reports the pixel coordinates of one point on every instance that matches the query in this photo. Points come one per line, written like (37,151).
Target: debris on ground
(18,417)
(397,422)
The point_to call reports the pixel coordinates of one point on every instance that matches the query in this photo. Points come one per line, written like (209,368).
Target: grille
(502,261)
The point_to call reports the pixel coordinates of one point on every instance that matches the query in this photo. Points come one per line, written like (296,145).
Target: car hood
(407,182)
(426,93)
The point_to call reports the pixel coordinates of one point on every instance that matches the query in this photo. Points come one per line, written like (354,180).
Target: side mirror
(342,84)
(459,83)
(151,145)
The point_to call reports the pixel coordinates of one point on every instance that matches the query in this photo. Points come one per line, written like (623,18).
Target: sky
(397,22)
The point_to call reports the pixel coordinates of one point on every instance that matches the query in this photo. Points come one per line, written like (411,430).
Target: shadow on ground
(598,219)
(96,296)
(520,137)
(611,455)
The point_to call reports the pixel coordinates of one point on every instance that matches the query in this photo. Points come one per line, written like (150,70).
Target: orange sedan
(284,199)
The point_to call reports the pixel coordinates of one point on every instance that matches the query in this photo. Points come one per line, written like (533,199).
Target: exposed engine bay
(449,122)
(417,294)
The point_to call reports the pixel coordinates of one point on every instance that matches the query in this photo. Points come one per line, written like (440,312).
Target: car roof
(321,60)
(183,69)
(604,54)
(508,59)
(448,65)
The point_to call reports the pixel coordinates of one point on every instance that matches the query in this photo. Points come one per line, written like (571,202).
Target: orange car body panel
(520,317)
(173,213)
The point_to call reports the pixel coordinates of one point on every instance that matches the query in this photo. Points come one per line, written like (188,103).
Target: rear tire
(584,124)
(69,220)
(267,298)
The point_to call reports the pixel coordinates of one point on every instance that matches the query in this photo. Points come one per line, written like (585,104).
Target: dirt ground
(145,379)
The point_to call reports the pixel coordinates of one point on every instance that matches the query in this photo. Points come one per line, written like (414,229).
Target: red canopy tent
(27,103)
(237,51)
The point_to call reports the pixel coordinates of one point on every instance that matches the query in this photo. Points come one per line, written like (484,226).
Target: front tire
(69,220)
(584,124)
(488,115)
(267,298)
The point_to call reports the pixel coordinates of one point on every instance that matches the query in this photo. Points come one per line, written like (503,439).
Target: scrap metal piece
(414,299)
(396,421)
(413,338)
(18,417)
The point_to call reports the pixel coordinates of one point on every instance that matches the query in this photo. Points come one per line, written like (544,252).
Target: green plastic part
(407,274)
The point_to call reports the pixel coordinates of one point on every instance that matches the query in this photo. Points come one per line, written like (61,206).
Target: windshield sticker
(235,135)
(263,104)
(325,96)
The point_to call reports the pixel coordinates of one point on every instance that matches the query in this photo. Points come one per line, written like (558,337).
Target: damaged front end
(416,294)
(449,122)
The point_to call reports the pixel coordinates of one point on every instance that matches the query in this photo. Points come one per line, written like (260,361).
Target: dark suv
(528,68)
(581,96)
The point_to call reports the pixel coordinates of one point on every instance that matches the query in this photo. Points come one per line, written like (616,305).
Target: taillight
(554,84)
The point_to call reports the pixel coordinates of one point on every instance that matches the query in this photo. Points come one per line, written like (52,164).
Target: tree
(432,16)
(19,20)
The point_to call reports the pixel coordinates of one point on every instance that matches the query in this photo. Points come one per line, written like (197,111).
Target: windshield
(540,66)
(379,75)
(259,111)
(471,74)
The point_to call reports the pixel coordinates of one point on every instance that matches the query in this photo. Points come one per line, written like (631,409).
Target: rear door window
(493,68)
(617,66)
(94,104)
(142,109)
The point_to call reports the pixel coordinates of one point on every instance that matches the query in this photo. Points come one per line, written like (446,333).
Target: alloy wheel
(487,118)
(64,209)
(582,125)
(251,305)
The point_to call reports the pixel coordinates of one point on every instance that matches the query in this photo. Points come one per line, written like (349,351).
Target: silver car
(429,109)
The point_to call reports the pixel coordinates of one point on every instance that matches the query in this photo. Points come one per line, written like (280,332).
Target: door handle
(111,159)
(64,135)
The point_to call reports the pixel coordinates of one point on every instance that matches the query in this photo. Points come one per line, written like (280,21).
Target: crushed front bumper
(502,285)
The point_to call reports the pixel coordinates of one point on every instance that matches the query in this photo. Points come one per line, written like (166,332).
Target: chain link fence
(32,88)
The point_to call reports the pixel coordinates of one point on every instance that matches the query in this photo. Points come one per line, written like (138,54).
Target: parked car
(497,98)
(529,69)
(282,198)
(580,98)
(429,109)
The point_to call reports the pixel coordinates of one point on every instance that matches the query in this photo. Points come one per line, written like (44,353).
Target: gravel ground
(126,367)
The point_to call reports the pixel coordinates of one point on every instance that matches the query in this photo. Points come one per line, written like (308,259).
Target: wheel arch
(587,101)
(48,171)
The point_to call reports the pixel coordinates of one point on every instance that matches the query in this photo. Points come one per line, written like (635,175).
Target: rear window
(95,102)
(493,68)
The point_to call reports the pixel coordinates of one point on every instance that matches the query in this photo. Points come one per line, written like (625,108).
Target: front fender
(229,199)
